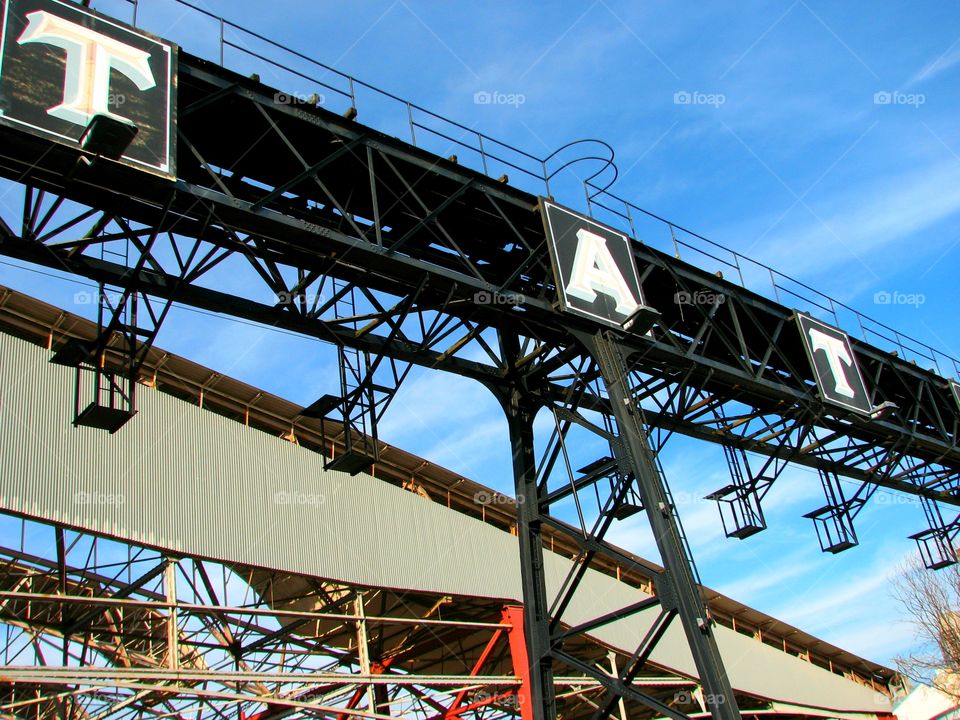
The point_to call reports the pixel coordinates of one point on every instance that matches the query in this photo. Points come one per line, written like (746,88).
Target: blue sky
(817,137)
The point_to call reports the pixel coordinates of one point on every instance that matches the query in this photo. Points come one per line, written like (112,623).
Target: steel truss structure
(103,629)
(400,257)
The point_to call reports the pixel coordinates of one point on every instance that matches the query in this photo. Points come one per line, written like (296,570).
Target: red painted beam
(376,668)
(494,639)
(513,616)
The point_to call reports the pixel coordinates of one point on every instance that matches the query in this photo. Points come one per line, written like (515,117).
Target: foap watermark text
(296,497)
(95,497)
(486,497)
(495,97)
(895,97)
(685,97)
(700,297)
(483,297)
(293,98)
(896,297)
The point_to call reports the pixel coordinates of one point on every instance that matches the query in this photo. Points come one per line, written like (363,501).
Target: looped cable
(604,154)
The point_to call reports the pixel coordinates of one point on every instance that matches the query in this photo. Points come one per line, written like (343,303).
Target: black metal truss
(127,317)
(364,394)
(939,541)
(834,521)
(621,483)
(439,266)
(740,502)
(381,215)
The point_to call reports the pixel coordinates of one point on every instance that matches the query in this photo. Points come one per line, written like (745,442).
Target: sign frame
(164,166)
(853,374)
(549,210)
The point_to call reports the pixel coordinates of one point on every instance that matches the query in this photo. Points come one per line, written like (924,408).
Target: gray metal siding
(198,483)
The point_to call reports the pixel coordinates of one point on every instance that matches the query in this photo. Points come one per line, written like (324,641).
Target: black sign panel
(61,64)
(838,375)
(593,266)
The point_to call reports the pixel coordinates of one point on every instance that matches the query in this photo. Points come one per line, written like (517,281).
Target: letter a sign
(593,265)
(60,65)
(838,375)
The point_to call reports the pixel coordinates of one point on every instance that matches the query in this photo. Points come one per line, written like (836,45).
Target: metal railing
(251,52)
(247,51)
(758,277)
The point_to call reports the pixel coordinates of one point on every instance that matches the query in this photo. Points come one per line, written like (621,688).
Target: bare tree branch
(931,599)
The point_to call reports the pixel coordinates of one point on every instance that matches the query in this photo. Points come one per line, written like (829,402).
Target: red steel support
(455,708)
(489,700)
(513,616)
(376,668)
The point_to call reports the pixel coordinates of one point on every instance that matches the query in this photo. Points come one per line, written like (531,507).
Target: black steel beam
(678,576)
(670,419)
(303,188)
(520,414)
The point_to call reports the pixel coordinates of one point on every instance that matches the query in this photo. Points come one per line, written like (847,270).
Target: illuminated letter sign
(595,271)
(90,58)
(593,266)
(61,64)
(834,365)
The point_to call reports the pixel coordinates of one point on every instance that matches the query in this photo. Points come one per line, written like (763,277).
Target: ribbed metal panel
(182,478)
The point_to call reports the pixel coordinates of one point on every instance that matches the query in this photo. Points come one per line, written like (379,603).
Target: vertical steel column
(173,628)
(615,672)
(514,616)
(363,650)
(520,413)
(678,574)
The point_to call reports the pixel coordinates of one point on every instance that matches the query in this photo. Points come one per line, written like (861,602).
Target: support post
(615,672)
(682,588)
(536,621)
(363,650)
(173,629)
(514,616)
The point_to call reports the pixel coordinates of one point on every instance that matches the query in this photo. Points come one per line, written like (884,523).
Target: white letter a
(595,271)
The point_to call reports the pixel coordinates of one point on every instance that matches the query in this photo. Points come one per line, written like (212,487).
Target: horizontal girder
(308,189)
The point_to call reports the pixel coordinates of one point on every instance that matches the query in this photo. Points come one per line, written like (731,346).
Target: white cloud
(819,606)
(634,535)
(454,422)
(795,486)
(745,589)
(431,402)
(885,215)
(940,65)
(867,641)
(471,450)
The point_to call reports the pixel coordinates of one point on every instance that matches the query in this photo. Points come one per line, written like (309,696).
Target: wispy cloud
(829,603)
(863,224)
(938,66)
(453,422)
(746,589)
(867,642)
